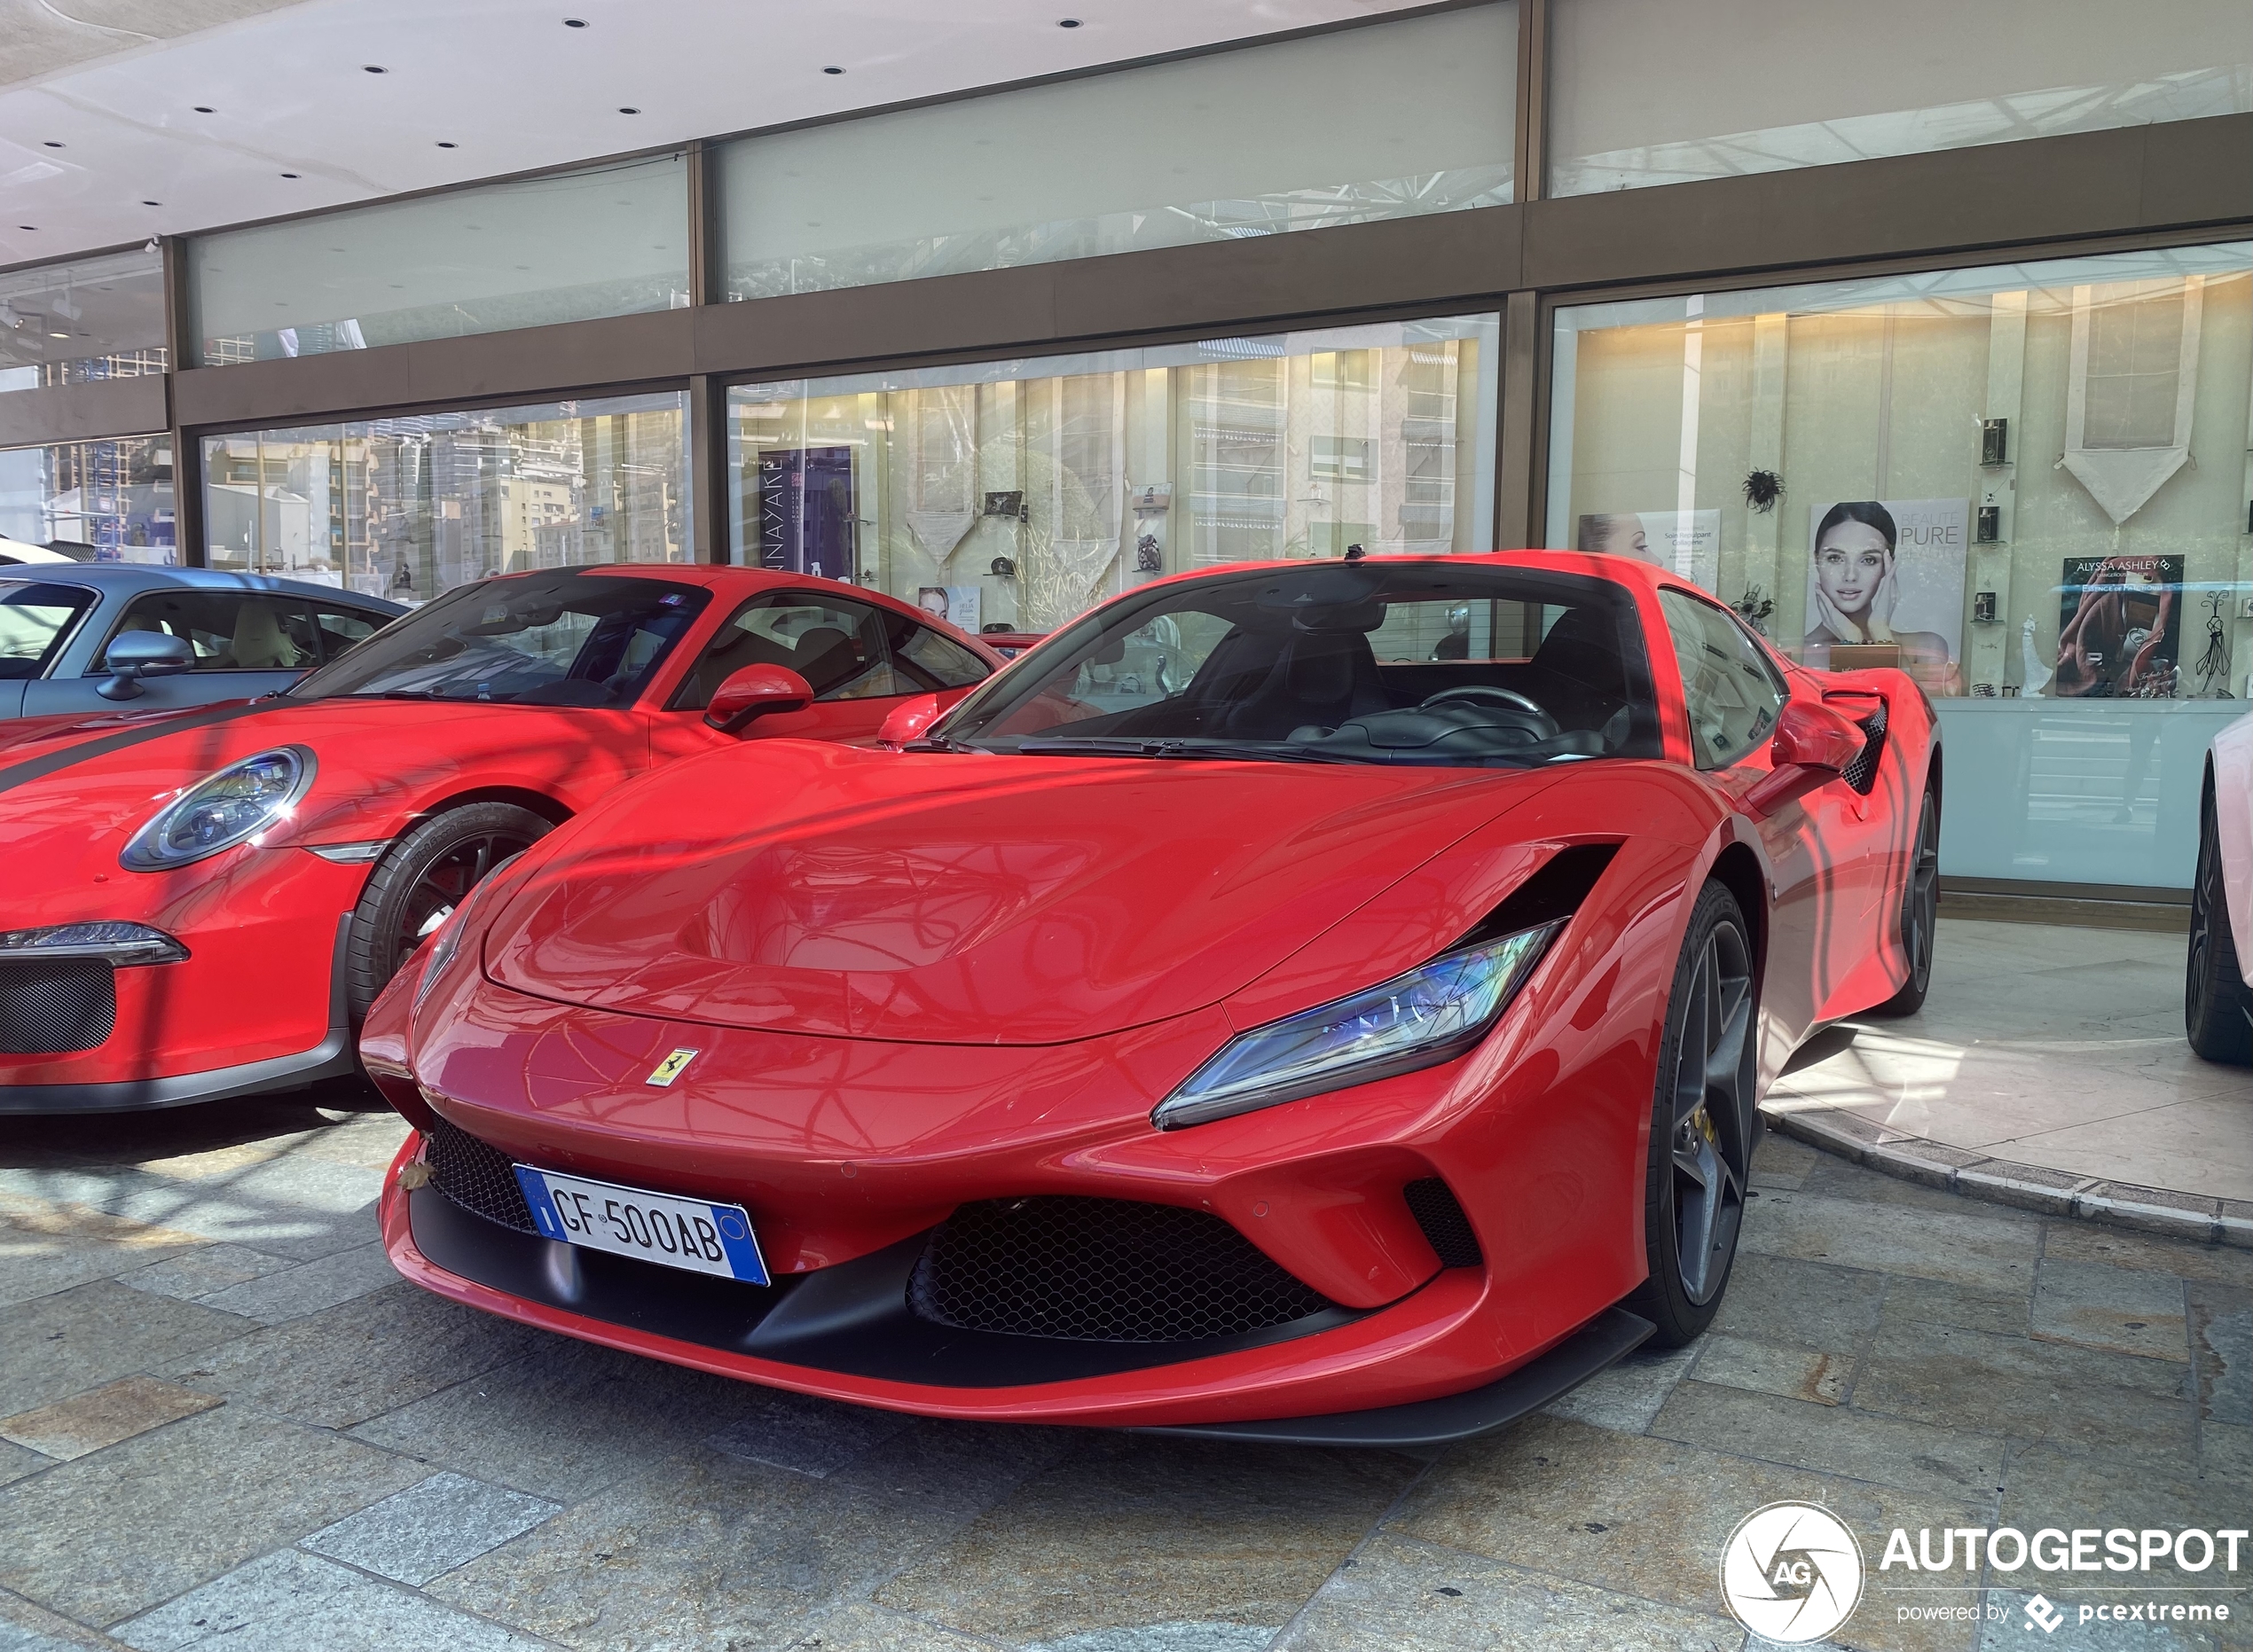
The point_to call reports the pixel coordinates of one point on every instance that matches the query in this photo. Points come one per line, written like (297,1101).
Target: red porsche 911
(1350,1034)
(203,904)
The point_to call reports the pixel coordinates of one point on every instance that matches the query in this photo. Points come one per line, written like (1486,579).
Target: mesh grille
(477,1176)
(1441,1216)
(1101,1270)
(57,1008)
(1861,773)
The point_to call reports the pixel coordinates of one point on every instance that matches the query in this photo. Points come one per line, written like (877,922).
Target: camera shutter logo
(1792,1572)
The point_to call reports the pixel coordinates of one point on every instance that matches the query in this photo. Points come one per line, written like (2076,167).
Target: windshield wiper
(1227,751)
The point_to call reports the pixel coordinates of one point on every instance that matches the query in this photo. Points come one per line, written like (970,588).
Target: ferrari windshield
(561,638)
(1385,660)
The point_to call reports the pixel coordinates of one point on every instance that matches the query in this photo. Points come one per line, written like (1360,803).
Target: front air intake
(1440,1214)
(1101,1270)
(57,1008)
(477,1176)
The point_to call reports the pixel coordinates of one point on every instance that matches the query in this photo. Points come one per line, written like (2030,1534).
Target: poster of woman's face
(932,600)
(1686,542)
(1890,572)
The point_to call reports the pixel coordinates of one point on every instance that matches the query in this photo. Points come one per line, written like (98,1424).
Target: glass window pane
(1384,121)
(228,630)
(106,501)
(81,322)
(1731,695)
(1633,83)
(36,621)
(611,241)
(2023,484)
(1013,495)
(410,507)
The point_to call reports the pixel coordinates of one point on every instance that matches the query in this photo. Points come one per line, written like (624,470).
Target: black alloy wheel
(1919,912)
(1703,1124)
(418,884)
(2215,1001)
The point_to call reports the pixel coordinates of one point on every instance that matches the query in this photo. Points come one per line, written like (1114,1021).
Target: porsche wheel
(1919,912)
(2215,1001)
(422,879)
(1702,1123)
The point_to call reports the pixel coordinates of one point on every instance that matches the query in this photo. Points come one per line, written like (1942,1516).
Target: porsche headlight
(233,806)
(1430,1015)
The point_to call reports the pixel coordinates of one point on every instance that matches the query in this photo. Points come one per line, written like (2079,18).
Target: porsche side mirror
(909,720)
(755,691)
(136,654)
(1812,746)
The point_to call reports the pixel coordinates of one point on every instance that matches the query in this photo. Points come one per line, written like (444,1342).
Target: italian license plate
(651,1226)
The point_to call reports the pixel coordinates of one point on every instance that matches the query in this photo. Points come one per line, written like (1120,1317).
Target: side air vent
(1438,1212)
(1101,1270)
(477,1176)
(56,1008)
(1861,773)
(1556,890)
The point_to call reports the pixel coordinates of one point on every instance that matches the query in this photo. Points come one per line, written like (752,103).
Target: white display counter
(2076,791)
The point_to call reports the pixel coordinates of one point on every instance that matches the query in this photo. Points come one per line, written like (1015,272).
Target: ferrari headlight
(114,942)
(233,806)
(1430,1015)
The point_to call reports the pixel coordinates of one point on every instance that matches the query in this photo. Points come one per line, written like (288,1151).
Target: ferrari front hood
(964,898)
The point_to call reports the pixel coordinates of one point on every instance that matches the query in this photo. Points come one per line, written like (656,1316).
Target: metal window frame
(2169,184)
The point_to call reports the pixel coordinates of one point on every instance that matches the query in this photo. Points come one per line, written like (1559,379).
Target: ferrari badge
(670,1068)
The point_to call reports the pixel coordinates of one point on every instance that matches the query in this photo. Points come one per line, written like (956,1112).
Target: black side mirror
(133,655)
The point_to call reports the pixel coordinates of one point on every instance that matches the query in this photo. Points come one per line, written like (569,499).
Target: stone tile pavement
(2050,1046)
(223,1425)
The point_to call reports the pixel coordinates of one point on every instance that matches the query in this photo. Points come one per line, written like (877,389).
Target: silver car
(86,637)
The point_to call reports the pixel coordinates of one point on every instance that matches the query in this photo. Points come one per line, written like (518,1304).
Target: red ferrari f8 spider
(1349,1033)
(204,904)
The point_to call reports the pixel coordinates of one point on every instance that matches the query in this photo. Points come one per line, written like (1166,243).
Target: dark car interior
(1378,665)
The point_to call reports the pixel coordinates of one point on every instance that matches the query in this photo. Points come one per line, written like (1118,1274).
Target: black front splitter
(1452,1417)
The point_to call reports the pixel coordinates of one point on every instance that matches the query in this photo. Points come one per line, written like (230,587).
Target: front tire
(1919,912)
(423,878)
(2215,1001)
(1702,1122)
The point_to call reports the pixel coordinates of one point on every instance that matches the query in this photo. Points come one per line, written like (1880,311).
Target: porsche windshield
(555,638)
(1379,661)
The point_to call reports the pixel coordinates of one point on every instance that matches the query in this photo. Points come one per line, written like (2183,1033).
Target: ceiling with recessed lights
(116,125)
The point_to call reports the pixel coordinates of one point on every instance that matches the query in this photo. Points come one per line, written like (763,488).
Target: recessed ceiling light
(374,68)
(628,109)
(1067,22)
(833,69)
(58,336)
(52,144)
(204,108)
(575,23)
(442,143)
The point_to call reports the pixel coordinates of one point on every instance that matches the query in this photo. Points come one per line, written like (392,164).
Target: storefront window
(1386,121)
(411,506)
(608,241)
(80,322)
(1652,92)
(1010,496)
(2026,485)
(107,501)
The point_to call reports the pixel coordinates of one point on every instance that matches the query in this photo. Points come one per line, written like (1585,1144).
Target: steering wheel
(1489,693)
